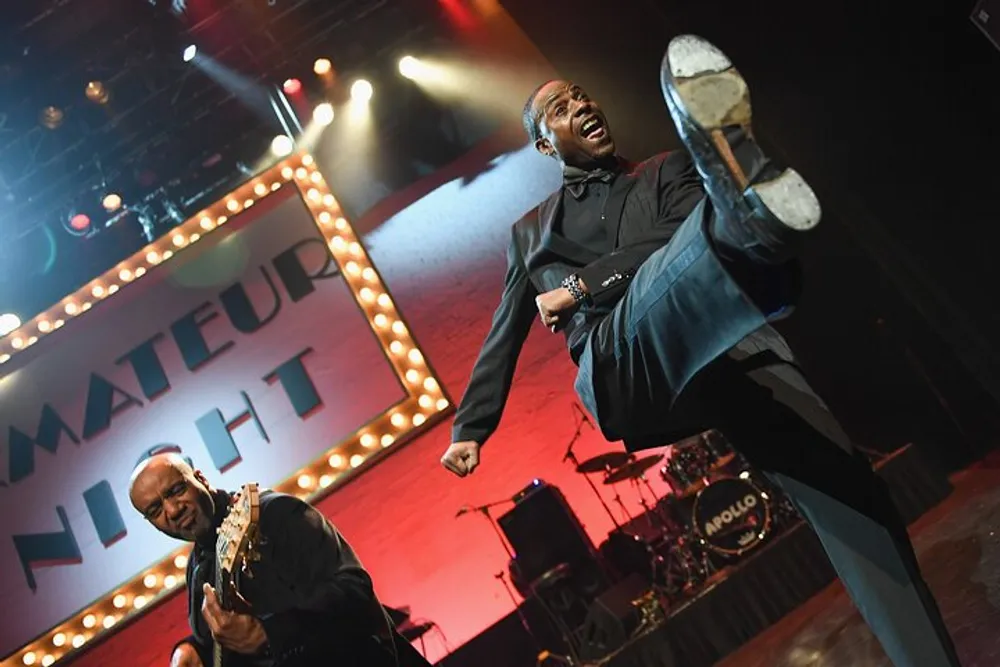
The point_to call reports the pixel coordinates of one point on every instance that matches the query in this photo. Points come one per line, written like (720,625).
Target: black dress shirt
(309,590)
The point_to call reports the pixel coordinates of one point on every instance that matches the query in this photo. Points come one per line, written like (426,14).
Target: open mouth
(593,128)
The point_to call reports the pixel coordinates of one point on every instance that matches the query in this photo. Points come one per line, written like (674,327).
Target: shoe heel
(789,199)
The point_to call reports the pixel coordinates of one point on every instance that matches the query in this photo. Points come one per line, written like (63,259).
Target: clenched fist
(462,457)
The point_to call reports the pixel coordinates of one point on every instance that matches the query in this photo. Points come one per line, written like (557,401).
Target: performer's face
(573,127)
(174,498)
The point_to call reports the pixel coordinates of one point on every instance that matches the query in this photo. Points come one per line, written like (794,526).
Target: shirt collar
(575,179)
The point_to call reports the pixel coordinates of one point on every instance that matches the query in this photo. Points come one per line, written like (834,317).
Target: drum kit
(718,510)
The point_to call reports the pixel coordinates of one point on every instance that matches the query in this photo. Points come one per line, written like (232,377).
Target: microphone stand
(570,456)
(485,511)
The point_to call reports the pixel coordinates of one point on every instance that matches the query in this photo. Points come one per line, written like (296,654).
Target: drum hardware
(601,462)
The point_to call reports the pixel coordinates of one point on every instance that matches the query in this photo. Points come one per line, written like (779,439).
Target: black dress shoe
(706,96)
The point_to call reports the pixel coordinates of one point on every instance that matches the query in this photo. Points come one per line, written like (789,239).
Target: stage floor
(958,543)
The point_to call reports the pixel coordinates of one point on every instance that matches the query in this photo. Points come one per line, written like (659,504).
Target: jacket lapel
(548,214)
(616,203)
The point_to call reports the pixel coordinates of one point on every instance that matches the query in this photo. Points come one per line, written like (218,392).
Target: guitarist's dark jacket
(309,590)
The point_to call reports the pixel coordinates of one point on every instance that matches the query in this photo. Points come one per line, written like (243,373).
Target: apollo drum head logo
(731,515)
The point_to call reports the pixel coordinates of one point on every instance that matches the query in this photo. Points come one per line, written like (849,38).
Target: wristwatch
(572,283)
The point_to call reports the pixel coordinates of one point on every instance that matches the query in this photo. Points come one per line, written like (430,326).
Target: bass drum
(731,516)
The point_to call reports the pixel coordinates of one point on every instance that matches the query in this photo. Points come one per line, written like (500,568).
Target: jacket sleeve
(308,552)
(678,190)
(482,405)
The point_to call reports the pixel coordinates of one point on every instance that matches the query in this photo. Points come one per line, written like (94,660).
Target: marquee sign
(256,338)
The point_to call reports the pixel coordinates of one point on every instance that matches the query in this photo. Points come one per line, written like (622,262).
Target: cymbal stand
(571,457)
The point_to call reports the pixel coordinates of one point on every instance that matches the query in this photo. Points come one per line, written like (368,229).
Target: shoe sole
(711,93)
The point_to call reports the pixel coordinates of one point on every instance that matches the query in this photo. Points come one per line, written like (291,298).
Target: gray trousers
(760,401)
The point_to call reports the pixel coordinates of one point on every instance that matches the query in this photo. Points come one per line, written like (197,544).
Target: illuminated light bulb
(381,321)
(275,186)
(112,289)
(412,376)
(353,268)
(398,328)
(59,324)
(361,91)
(139,602)
(32,340)
(313,194)
(323,114)
(325,481)
(397,420)
(396,347)
(367,294)
(287,173)
(109,621)
(336,461)
(367,440)
(329,201)
(415,356)
(430,384)
(248,203)
(338,243)
(357,460)
(282,145)
(425,401)
(384,301)
(316,177)
(86,306)
(78,641)
(17,343)
(47,660)
(58,639)
(325,218)
(29,658)
(119,601)
(178,240)
(369,274)
(301,173)
(89,621)
(140,272)
(195,237)
(409,67)
(4,358)
(125,275)
(307,160)
(207,224)
(153,257)
(169,581)
(45,326)
(322,66)
(221,221)
(233,205)
(387,440)
(260,189)
(442,404)
(340,224)
(356,249)
(71,308)
(98,291)
(167,254)
(149,581)
(305,481)
(181,561)
(418,419)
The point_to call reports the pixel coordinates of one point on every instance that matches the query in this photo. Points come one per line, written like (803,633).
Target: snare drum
(731,516)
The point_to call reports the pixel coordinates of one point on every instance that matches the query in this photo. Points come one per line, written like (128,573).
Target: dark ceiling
(167,127)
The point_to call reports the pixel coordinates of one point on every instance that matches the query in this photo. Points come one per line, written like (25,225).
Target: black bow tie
(578,180)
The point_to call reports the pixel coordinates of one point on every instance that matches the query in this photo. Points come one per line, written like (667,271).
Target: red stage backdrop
(440,248)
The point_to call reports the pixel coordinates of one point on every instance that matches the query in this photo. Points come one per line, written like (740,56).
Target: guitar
(235,550)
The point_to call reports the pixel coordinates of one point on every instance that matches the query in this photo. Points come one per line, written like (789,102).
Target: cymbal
(602,462)
(633,469)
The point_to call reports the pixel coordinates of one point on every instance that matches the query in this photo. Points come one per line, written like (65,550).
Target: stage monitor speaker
(612,618)
(545,533)
(986,16)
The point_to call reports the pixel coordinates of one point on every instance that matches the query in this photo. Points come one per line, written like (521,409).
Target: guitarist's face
(175,499)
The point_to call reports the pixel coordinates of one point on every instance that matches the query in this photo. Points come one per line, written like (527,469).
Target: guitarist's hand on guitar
(238,632)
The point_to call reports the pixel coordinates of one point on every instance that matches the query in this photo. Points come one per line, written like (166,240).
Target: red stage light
(292,86)
(79,222)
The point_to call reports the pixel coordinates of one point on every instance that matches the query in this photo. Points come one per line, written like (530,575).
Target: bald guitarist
(309,601)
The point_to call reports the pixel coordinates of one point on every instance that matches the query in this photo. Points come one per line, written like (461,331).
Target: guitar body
(235,550)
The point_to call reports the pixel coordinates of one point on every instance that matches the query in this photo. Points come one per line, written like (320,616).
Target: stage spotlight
(292,86)
(361,91)
(8,322)
(190,52)
(282,145)
(323,114)
(97,93)
(322,66)
(79,222)
(409,67)
(112,202)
